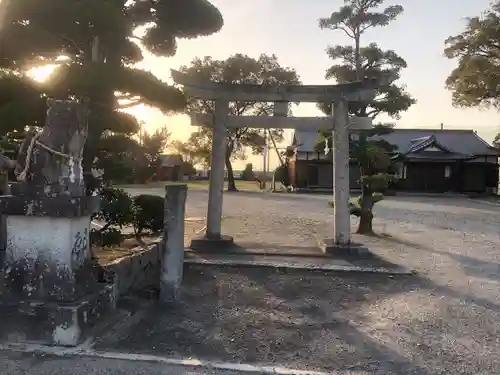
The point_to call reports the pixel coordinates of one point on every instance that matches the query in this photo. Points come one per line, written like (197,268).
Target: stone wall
(140,270)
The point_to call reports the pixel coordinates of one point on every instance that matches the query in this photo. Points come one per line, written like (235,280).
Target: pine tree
(93,43)
(357,61)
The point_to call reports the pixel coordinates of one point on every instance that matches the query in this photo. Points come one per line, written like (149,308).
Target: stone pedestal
(209,243)
(331,247)
(50,293)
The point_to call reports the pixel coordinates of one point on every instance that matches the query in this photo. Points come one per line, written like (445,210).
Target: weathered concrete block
(173,243)
(58,206)
(137,271)
(50,290)
(48,248)
(47,258)
(53,323)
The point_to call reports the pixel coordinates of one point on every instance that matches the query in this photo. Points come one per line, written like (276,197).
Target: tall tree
(124,159)
(475,81)
(196,150)
(356,62)
(21,102)
(117,157)
(496,141)
(240,68)
(92,42)
(153,145)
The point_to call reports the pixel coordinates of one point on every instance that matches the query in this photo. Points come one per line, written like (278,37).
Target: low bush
(106,238)
(118,209)
(115,212)
(148,213)
(115,208)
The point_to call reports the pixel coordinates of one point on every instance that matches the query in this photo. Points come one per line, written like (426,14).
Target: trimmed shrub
(148,213)
(116,208)
(108,237)
(115,212)
(248,174)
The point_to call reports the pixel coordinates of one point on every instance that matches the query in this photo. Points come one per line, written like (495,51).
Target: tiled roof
(170,160)
(455,141)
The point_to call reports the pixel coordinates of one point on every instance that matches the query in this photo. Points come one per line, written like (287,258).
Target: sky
(289,29)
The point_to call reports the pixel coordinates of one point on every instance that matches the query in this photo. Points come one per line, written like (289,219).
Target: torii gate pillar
(341,188)
(213,236)
(216,185)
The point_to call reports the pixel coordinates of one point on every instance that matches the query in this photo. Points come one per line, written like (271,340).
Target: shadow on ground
(471,266)
(320,321)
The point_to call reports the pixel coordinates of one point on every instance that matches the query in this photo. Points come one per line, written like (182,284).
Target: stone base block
(353,249)
(47,257)
(138,271)
(208,244)
(56,323)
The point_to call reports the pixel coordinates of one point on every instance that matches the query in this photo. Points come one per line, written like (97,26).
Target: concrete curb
(308,266)
(193,363)
(256,252)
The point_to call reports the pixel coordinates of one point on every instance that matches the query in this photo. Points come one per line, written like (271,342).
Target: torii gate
(339,123)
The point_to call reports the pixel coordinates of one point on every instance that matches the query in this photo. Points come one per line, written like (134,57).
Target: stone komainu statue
(49,163)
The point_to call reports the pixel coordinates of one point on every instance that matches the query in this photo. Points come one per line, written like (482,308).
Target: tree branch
(348,32)
(129,105)
(373,113)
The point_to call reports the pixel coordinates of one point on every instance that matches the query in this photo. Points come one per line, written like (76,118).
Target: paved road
(21,364)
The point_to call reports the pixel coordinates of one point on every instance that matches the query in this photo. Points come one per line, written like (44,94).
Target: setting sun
(151,117)
(42,72)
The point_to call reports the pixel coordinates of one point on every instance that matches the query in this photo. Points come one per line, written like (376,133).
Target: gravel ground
(444,320)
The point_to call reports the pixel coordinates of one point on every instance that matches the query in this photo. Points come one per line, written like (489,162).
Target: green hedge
(118,209)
